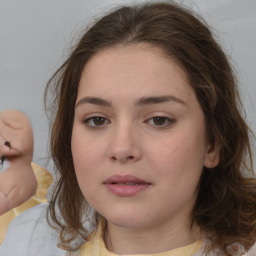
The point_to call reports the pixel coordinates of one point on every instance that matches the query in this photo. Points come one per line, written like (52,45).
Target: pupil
(159,120)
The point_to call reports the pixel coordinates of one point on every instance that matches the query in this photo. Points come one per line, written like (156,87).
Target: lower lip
(126,190)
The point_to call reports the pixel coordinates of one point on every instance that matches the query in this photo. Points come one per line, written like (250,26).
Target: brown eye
(161,121)
(96,121)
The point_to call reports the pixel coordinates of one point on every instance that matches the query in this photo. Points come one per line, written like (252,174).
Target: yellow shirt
(95,246)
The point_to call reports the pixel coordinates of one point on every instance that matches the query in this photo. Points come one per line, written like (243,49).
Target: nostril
(114,158)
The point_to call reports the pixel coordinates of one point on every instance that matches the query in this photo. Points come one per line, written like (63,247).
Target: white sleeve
(252,251)
(29,234)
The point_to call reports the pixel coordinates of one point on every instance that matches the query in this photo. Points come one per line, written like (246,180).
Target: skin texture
(169,154)
(17,179)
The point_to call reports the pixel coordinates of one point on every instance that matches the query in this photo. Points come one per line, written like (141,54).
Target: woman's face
(139,141)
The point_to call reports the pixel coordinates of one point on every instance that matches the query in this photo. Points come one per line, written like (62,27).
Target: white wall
(35,37)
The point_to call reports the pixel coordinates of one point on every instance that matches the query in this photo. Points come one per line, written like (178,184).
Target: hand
(17,179)
(16,136)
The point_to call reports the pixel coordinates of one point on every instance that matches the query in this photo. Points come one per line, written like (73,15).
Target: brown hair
(226,204)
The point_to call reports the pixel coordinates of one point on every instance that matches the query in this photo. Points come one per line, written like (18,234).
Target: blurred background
(36,37)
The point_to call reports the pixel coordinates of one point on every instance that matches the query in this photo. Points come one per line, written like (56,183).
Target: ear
(212,157)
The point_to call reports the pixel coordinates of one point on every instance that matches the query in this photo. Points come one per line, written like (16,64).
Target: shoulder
(217,252)
(29,234)
(252,251)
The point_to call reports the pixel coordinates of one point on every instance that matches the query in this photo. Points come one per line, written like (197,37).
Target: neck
(155,239)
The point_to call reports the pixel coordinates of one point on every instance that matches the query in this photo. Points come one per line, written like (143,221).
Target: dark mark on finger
(8,144)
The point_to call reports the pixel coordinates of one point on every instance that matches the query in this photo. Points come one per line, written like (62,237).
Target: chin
(127,219)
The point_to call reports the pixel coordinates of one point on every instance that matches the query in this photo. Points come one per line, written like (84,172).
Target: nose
(124,146)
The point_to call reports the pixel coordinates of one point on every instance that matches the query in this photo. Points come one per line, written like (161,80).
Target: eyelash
(152,121)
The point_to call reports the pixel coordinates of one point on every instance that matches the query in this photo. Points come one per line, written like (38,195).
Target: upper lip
(122,179)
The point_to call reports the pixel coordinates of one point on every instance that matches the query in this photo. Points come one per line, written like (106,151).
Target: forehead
(139,68)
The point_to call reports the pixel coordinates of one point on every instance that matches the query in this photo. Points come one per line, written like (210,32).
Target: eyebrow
(94,101)
(140,102)
(158,99)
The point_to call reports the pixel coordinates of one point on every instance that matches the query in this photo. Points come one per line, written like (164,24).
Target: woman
(149,141)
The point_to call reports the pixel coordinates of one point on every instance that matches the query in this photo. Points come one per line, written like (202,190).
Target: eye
(96,121)
(160,121)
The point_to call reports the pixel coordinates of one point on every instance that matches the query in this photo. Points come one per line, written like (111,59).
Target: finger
(7,150)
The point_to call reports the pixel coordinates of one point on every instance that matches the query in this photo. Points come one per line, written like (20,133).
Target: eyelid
(93,115)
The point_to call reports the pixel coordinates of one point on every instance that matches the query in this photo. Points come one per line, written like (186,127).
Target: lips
(126,185)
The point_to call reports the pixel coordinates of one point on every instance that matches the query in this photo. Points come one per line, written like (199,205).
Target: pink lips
(125,185)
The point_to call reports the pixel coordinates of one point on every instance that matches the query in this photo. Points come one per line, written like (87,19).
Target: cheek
(84,148)
(180,154)
(83,169)
(82,158)
(87,156)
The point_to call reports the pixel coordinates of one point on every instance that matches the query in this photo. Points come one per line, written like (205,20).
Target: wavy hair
(226,204)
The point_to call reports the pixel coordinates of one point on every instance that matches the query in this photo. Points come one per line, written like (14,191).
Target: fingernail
(8,144)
